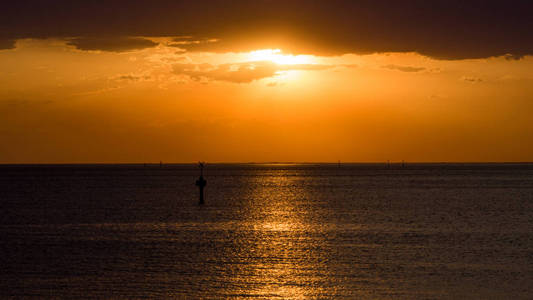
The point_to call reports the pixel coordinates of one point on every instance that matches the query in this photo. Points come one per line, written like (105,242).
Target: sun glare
(276,56)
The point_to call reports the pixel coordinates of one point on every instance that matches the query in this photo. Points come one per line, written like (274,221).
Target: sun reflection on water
(279,219)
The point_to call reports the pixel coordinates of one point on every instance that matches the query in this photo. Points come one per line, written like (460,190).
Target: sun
(276,56)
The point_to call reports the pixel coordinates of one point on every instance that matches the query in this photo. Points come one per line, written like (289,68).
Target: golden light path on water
(280,220)
(291,256)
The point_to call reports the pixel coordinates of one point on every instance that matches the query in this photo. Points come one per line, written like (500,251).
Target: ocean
(267,231)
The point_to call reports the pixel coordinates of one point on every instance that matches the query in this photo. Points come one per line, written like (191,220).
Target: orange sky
(63,100)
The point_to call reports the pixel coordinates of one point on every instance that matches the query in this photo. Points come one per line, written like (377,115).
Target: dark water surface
(426,231)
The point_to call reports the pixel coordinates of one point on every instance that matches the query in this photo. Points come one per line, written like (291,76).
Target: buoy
(201,182)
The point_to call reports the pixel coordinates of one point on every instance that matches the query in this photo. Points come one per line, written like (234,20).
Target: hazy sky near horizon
(239,81)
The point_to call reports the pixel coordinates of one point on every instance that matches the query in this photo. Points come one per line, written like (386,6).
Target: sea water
(267,231)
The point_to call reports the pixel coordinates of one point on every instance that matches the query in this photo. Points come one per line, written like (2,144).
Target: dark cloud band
(444,29)
(7,44)
(112,44)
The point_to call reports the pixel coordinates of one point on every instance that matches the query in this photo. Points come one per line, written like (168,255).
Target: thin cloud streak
(111,44)
(240,72)
(404,68)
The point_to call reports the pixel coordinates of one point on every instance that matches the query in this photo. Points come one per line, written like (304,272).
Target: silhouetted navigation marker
(201,182)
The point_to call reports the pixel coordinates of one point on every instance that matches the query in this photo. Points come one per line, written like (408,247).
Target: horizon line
(271,162)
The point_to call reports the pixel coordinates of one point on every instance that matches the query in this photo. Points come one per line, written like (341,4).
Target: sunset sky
(285,81)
